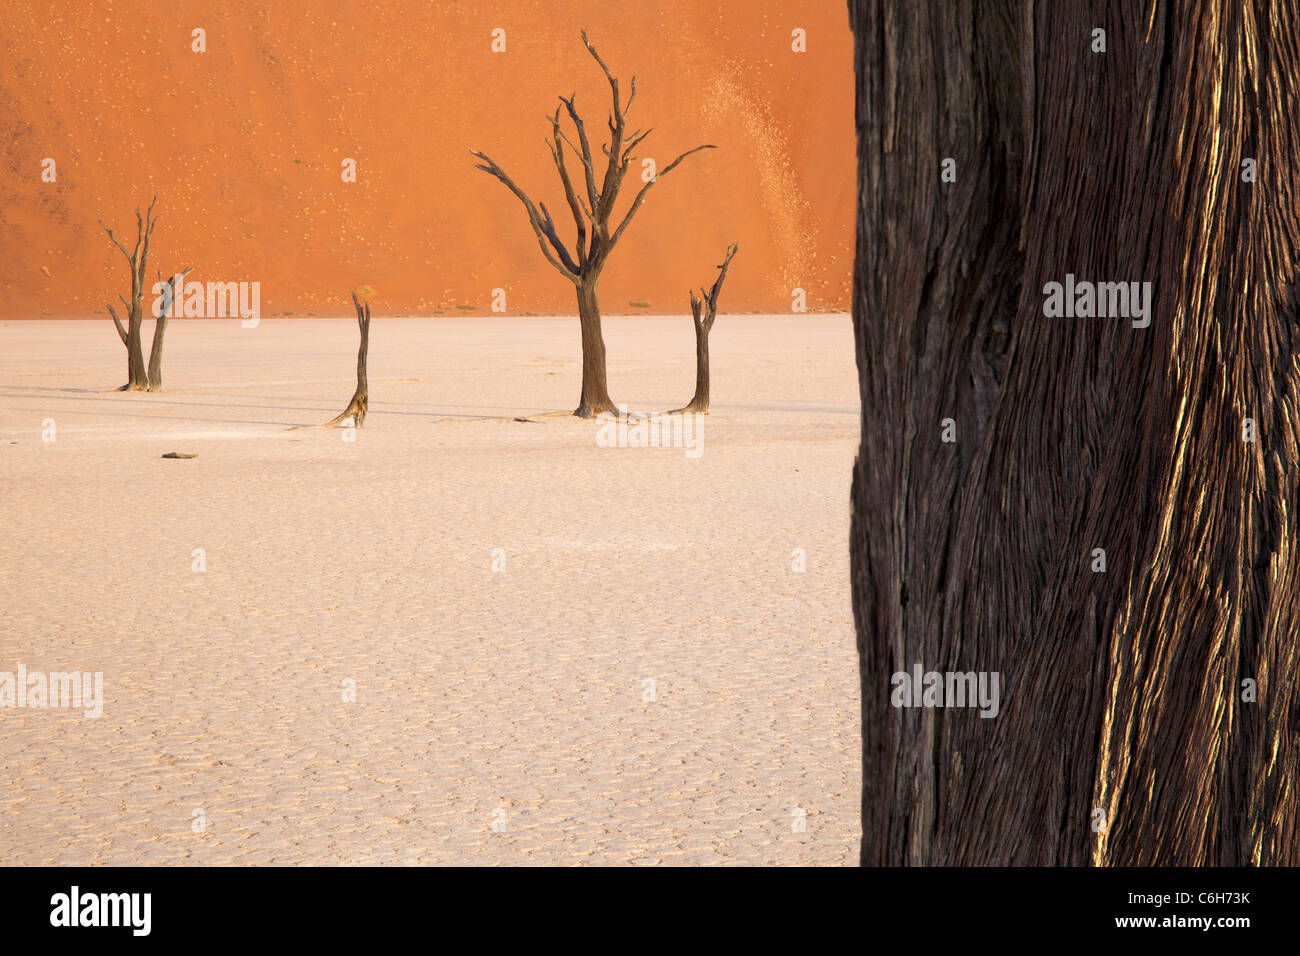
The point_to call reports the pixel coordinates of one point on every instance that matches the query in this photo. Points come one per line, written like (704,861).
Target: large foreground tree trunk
(595,390)
(1129,732)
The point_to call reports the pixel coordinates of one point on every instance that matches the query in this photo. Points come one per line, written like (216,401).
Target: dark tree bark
(356,410)
(1124,735)
(591,203)
(703,312)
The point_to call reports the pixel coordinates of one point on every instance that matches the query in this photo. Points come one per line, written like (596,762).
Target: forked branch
(640,196)
(543,226)
(711,295)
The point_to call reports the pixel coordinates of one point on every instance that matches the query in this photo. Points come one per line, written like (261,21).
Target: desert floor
(648,679)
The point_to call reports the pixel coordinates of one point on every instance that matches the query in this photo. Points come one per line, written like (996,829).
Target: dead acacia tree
(703,312)
(356,410)
(592,207)
(140,378)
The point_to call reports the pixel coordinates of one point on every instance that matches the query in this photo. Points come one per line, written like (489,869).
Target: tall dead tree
(356,410)
(592,208)
(703,312)
(1100,512)
(140,378)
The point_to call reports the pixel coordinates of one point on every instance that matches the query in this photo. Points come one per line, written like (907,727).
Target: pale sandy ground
(477,691)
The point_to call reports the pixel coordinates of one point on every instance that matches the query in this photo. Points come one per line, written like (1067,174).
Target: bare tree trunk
(595,391)
(155,354)
(137,376)
(160,330)
(356,410)
(704,311)
(1100,511)
(700,400)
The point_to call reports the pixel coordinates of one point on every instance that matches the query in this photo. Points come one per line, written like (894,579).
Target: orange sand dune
(244,144)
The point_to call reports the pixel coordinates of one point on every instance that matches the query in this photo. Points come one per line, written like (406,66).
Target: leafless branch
(637,137)
(150,223)
(121,330)
(589,171)
(712,294)
(640,196)
(550,245)
(116,243)
(575,204)
(548,228)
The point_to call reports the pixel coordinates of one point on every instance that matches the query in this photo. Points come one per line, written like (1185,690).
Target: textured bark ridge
(591,202)
(1122,692)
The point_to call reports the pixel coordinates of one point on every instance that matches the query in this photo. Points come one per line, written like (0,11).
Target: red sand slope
(243,145)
